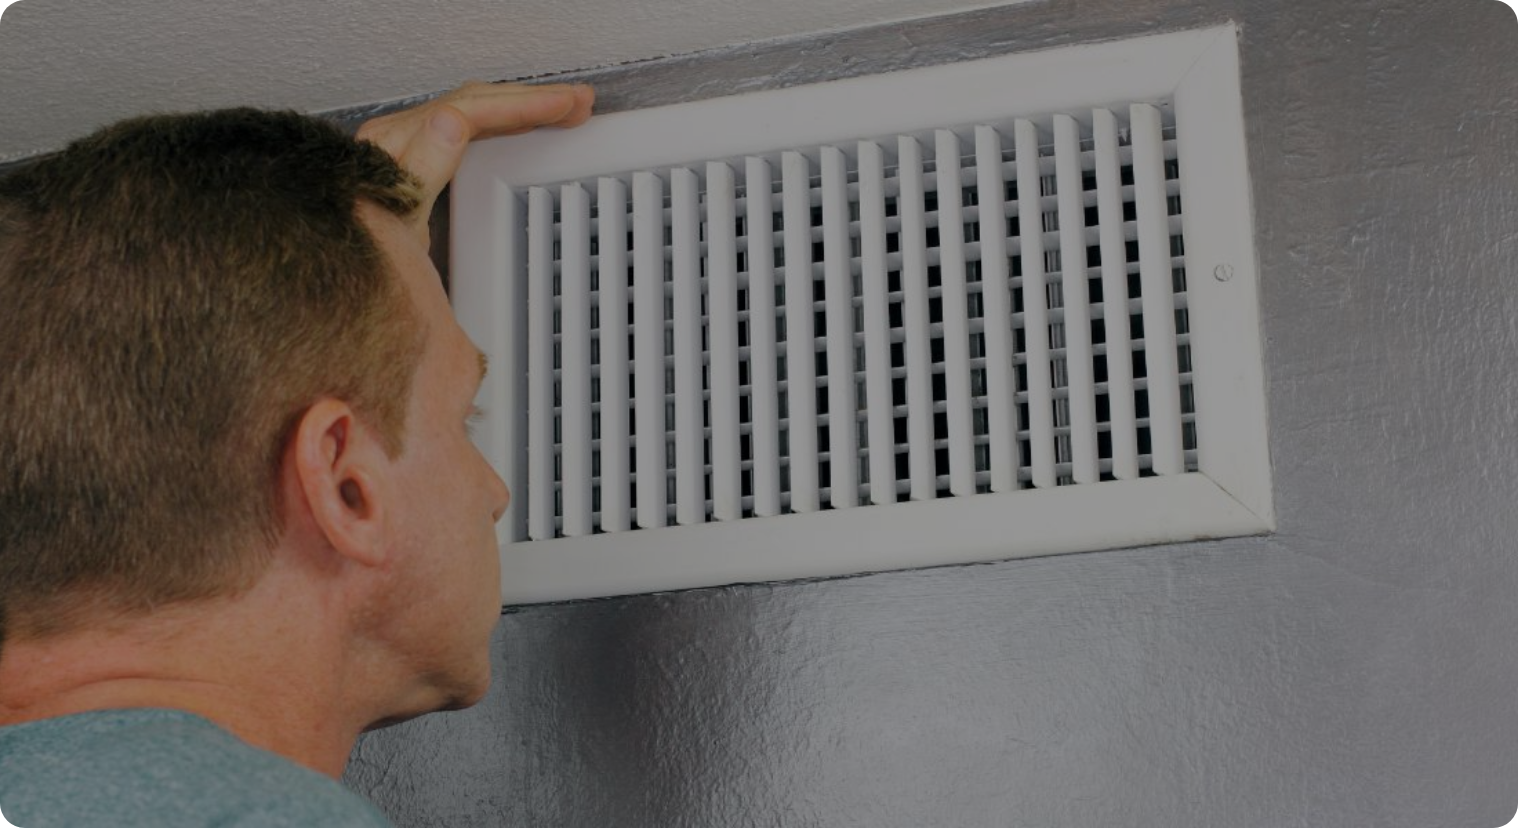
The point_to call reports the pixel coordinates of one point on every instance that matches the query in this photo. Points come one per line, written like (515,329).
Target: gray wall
(1354,669)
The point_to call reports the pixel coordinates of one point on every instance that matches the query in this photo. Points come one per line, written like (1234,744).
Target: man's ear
(338,465)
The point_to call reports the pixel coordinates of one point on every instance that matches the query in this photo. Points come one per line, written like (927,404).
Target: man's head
(175,291)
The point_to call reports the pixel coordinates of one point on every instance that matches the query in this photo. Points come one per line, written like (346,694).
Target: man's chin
(470,698)
(451,693)
(468,693)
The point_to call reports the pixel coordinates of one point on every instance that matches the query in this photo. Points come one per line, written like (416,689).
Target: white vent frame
(1227,494)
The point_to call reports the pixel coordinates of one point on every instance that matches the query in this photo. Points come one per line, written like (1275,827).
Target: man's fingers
(508,109)
(490,110)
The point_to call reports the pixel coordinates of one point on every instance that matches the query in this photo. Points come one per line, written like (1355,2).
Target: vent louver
(910,343)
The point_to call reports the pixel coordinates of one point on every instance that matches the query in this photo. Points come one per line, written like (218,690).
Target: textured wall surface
(1355,669)
(67,66)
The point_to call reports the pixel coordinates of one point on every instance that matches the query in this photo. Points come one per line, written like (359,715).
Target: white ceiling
(67,66)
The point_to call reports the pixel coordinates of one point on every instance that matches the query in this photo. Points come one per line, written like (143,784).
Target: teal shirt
(161,768)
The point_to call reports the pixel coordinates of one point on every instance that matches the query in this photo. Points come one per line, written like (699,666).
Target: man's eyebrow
(484,364)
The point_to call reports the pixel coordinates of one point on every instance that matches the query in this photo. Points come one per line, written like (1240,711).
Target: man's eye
(476,416)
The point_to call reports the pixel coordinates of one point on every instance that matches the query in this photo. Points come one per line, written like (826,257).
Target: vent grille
(1006,301)
(812,332)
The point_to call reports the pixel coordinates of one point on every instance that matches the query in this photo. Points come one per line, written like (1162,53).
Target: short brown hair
(174,292)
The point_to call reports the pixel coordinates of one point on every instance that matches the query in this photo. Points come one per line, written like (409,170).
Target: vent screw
(1223,272)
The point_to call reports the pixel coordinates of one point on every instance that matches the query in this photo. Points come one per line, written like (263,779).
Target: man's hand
(429,140)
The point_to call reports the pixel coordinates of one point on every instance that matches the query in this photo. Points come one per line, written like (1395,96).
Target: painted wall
(68,66)
(1355,669)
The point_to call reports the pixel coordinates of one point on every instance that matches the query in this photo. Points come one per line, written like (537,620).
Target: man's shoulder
(163,768)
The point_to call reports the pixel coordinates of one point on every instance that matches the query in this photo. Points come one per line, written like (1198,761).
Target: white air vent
(995,309)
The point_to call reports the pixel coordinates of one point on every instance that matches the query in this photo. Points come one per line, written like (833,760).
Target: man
(241,520)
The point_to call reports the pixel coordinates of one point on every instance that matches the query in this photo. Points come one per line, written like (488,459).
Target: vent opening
(971,374)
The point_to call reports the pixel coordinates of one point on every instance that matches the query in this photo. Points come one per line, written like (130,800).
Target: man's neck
(232,661)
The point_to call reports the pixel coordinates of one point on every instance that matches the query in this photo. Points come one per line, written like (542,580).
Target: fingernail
(446,126)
